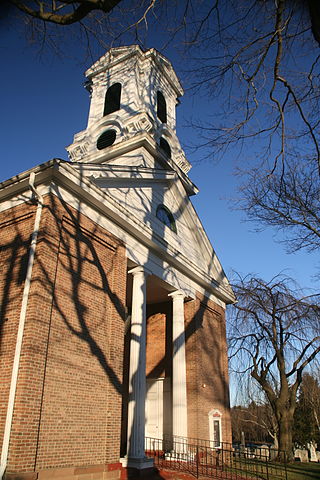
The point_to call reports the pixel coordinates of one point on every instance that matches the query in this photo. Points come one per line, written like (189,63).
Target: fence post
(267,468)
(197,460)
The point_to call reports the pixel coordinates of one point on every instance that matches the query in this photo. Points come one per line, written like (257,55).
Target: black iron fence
(204,458)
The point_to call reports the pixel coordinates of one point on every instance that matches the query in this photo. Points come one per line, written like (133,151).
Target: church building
(112,299)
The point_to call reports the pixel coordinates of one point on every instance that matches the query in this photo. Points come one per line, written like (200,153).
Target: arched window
(165,147)
(112,100)
(106,139)
(161,107)
(166,217)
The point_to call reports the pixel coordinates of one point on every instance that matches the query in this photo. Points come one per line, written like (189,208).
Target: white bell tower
(132,117)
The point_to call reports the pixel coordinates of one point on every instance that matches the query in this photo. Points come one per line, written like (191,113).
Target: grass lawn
(303,471)
(276,471)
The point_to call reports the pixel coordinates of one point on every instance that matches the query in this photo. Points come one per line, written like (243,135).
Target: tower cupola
(134,95)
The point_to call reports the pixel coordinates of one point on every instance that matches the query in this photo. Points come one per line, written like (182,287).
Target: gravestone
(263,452)
(301,454)
(312,452)
(273,453)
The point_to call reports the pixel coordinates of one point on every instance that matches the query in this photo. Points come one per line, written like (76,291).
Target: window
(216,433)
(215,428)
(106,139)
(112,100)
(166,217)
(165,147)
(161,107)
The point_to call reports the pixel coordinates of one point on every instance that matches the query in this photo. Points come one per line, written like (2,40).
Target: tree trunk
(285,452)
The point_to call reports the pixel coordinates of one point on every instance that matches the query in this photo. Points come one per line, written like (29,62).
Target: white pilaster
(137,372)
(179,380)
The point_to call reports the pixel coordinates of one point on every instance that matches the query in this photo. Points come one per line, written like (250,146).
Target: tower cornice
(118,55)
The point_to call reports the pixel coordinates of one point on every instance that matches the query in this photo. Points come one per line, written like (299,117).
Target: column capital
(139,269)
(177,293)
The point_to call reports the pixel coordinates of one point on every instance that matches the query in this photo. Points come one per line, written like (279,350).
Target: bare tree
(95,23)
(256,421)
(287,200)
(275,334)
(259,62)
(307,414)
(311,391)
(259,58)
(63,12)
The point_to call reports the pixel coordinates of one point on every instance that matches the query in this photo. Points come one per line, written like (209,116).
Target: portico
(158,404)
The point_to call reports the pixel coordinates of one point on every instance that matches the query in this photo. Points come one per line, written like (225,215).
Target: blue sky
(43,104)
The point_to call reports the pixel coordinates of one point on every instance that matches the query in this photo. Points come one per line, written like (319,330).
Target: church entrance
(158,409)
(158,402)
(154,408)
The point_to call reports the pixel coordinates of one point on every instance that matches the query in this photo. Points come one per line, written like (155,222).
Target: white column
(179,380)
(137,372)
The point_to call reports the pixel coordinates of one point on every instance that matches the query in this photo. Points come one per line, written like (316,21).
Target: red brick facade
(68,399)
(159,340)
(207,367)
(67,416)
(15,231)
(206,358)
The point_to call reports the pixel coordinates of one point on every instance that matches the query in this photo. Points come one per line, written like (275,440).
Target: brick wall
(206,356)
(15,230)
(207,367)
(68,400)
(159,340)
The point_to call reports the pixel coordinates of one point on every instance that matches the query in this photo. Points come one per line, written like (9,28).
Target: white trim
(64,181)
(215,415)
(23,313)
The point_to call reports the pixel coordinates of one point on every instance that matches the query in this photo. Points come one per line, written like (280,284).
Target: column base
(137,463)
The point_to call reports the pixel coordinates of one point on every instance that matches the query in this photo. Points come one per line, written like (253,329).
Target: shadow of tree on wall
(84,298)
(64,249)
(13,263)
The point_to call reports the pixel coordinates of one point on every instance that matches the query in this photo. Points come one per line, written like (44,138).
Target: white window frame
(213,415)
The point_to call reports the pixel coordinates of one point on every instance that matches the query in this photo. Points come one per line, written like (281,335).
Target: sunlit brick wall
(159,340)
(207,367)
(15,230)
(68,401)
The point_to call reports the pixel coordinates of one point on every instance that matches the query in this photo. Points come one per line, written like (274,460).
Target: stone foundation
(111,471)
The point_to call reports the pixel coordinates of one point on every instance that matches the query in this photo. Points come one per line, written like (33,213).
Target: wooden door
(154,408)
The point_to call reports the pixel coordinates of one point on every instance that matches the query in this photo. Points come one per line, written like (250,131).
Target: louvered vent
(106,139)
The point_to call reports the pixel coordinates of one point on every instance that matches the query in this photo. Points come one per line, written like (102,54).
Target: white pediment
(140,190)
